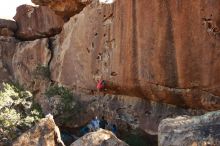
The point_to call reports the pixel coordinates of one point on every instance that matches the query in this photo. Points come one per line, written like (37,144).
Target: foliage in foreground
(17,112)
(63,102)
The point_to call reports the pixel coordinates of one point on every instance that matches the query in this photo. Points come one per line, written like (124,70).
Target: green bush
(42,71)
(65,93)
(17,112)
(64,103)
(67,100)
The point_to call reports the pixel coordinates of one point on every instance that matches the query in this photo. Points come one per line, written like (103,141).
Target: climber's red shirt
(100,85)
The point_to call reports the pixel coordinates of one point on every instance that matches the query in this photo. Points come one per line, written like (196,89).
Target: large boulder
(190,131)
(7,27)
(64,8)
(99,138)
(44,133)
(146,49)
(37,22)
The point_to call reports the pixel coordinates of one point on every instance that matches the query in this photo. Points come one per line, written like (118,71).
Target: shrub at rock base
(17,112)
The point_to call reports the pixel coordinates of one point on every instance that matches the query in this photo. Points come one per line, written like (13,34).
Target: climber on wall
(101,85)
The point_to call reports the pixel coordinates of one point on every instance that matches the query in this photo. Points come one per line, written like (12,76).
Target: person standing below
(114,129)
(95,122)
(103,123)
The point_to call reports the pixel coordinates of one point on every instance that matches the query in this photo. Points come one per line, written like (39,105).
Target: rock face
(126,112)
(43,134)
(7,27)
(8,24)
(64,8)
(202,130)
(30,67)
(159,50)
(29,58)
(100,137)
(7,49)
(37,22)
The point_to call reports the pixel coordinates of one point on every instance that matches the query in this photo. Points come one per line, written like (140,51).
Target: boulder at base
(190,131)
(99,138)
(43,134)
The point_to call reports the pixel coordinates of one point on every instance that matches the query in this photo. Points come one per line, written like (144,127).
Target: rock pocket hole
(88,50)
(114,73)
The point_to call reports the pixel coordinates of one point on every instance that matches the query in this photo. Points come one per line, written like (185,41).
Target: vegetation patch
(42,71)
(65,93)
(63,102)
(17,112)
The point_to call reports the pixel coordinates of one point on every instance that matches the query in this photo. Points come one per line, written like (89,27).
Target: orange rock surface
(165,51)
(37,22)
(64,8)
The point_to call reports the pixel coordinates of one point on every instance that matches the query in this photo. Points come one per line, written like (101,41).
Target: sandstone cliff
(146,51)
(159,50)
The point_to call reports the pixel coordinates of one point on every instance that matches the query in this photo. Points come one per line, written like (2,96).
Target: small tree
(63,102)
(67,102)
(17,112)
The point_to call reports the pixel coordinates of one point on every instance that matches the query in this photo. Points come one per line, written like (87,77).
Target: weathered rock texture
(126,112)
(165,51)
(28,58)
(64,8)
(186,131)
(6,32)
(30,67)
(7,27)
(7,49)
(8,24)
(43,134)
(99,138)
(37,22)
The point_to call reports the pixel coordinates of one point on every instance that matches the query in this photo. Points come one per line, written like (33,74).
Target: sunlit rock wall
(165,51)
